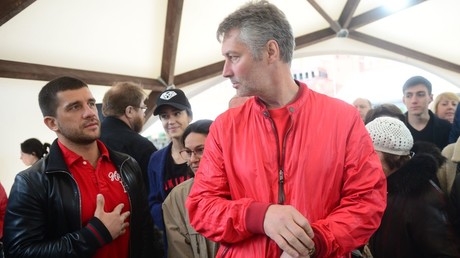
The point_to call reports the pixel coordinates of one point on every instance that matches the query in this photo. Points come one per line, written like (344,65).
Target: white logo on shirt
(115,176)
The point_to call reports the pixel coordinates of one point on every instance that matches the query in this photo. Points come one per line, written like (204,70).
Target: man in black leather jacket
(57,209)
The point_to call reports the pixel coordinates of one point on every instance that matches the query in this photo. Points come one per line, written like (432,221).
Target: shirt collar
(71,157)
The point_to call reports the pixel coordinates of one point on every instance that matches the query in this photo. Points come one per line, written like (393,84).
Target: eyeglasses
(187,153)
(143,108)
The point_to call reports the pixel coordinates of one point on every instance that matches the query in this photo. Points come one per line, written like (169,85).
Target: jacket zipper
(224,252)
(281,153)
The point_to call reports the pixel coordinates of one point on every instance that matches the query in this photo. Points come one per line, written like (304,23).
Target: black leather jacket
(415,222)
(43,215)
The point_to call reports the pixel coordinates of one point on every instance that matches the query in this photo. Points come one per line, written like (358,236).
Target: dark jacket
(455,130)
(415,223)
(43,214)
(118,136)
(441,130)
(455,201)
(157,194)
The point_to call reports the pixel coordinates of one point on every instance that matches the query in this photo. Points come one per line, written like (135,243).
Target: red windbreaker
(3,202)
(331,175)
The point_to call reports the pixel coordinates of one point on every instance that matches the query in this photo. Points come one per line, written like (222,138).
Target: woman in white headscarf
(415,223)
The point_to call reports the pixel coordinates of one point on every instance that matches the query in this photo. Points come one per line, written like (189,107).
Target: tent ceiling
(160,43)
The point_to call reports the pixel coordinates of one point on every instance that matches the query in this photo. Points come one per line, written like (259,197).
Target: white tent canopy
(160,43)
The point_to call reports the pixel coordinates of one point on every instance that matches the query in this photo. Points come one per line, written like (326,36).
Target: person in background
(3,202)
(32,150)
(445,105)
(363,106)
(386,109)
(183,240)
(448,172)
(82,199)
(445,175)
(123,107)
(167,168)
(423,124)
(415,223)
(455,130)
(277,178)
(454,195)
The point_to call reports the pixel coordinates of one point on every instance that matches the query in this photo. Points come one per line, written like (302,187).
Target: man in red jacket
(291,172)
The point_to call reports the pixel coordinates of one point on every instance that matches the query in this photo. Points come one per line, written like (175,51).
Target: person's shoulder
(448,151)
(160,154)
(179,193)
(230,116)
(442,123)
(33,175)
(118,157)
(327,101)
(137,139)
(182,190)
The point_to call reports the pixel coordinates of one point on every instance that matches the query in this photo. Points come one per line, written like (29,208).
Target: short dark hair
(386,109)
(47,98)
(416,80)
(200,126)
(35,147)
(395,161)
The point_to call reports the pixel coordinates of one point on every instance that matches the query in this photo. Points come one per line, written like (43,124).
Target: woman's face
(174,121)
(446,109)
(28,159)
(194,145)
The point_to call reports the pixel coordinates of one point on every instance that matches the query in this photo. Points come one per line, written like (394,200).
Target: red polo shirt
(106,180)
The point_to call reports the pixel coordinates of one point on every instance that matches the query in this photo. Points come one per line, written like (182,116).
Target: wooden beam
(9,8)
(199,74)
(334,25)
(404,51)
(171,39)
(348,12)
(28,71)
(314,37)
(377,14)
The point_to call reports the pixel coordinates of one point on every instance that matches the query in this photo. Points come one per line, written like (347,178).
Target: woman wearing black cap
(166,166)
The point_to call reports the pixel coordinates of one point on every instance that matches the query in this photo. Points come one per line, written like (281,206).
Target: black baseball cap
(173,97)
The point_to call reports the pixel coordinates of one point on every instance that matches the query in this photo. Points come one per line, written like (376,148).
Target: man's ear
(273,50)
(51,123)
(129,111)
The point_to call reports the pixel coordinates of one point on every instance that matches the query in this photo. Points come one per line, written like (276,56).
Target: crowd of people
(284,172)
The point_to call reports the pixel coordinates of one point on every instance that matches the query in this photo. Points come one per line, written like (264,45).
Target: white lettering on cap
(168,95)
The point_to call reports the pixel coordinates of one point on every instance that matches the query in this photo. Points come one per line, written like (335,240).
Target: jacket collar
(298,101)
(54,161)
